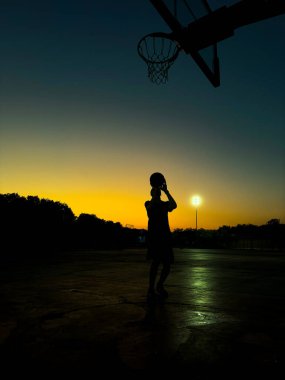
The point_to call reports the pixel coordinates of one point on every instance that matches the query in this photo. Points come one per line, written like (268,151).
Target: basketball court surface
(85,312)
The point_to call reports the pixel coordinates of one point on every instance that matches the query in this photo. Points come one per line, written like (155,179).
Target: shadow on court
(86,311)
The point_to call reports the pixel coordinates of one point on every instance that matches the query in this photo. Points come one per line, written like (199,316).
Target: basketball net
(159,51)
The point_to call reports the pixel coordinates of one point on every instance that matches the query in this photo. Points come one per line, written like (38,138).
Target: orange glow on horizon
(129,210)
(114,184)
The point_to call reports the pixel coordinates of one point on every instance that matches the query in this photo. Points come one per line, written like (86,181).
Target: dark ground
(85,312)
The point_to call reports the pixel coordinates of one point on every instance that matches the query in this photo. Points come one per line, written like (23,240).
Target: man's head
(155,192)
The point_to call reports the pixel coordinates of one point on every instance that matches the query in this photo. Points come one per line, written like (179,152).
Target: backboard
(196,27)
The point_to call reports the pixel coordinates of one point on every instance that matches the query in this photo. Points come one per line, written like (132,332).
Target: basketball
(157,180)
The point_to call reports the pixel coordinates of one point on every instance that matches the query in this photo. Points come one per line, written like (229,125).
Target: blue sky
(82,123)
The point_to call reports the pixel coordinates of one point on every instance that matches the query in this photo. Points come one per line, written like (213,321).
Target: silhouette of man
(159,239)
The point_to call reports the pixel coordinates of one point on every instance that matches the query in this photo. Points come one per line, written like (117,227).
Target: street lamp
(196,201)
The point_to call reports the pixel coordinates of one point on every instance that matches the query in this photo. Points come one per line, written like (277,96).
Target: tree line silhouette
(34,225)
(243,236)
(39,225)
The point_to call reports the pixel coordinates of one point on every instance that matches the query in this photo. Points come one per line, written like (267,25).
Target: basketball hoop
(159,51)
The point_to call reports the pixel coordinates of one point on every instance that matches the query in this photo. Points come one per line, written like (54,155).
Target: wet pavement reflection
(87,310)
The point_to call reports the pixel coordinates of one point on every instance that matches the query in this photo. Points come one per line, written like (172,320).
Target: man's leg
(163,276)
(152,275)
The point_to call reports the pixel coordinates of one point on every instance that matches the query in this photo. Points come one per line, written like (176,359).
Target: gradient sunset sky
(82,124)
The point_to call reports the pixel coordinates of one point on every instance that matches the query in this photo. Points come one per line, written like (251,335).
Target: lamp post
(196,201)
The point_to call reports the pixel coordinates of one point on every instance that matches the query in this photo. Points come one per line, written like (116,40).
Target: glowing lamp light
(196,200)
